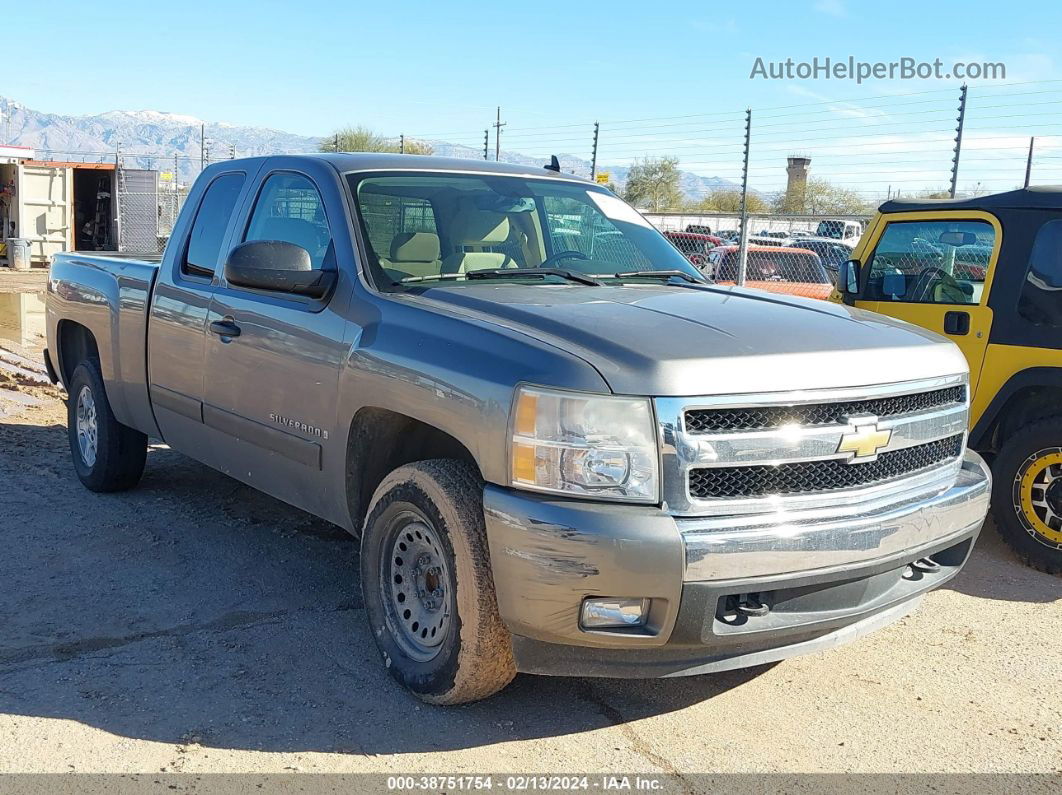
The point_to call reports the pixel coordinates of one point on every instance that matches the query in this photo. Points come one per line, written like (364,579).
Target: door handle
(957,323)
(225,328)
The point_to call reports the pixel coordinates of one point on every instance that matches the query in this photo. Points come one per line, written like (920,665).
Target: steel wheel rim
(87,426)
(1038,496)
(416,586)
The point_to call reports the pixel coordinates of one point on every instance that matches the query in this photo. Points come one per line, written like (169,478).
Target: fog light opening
(614,613)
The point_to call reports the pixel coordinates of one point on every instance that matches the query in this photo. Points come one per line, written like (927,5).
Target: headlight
(592,445)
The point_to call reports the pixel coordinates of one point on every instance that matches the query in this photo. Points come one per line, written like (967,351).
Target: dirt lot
(196,625)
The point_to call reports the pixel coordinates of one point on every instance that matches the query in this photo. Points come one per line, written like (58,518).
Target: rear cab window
(211,222)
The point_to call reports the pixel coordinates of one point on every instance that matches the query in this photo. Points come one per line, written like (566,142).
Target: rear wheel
(108,456)
(1027,494)
(427,585)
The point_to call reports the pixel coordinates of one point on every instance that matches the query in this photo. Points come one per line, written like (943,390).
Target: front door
(273,359)
(934,269)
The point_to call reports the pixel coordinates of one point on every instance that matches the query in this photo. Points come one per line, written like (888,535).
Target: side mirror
(277,266)
(849,275)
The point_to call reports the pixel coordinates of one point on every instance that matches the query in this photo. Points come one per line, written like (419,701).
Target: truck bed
(109,294)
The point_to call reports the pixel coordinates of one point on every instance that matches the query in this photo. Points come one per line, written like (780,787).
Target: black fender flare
(1023,379)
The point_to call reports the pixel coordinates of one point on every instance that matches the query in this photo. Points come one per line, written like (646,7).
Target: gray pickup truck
(563,450)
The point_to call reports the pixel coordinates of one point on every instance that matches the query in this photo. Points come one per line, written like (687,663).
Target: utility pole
(202,147)
(958,140)
(743,248)
(401,144)
(335,144)
(1028,163)
(593,152)
(486,143)
(497,135)
(119,188)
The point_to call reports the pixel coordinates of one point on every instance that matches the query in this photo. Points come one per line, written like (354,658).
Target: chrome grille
(743,454)
(819,476)
(757,417)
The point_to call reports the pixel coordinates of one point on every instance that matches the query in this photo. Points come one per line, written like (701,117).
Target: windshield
(439,226)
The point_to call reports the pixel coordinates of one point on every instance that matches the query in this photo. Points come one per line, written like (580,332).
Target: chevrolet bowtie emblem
(864,442)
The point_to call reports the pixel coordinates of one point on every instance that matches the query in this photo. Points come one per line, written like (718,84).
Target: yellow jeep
(986,272)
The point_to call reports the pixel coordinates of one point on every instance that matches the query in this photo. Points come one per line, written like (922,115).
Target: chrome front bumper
(831,574)
(799,542)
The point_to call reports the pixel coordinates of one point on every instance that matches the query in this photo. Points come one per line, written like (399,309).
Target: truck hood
(666,340)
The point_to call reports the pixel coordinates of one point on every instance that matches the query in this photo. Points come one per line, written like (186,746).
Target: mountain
(151,139)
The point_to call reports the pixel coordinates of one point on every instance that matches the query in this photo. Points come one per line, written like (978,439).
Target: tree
(728,200)
(822,198)
(653,184)
(362,139)
(418,147)
(356,139)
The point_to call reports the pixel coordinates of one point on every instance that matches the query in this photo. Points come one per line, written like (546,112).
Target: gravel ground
(196,625)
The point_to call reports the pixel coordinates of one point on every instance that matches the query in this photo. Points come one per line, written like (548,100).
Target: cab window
(290,209)
(1041,294)
(211,222)
(931,262)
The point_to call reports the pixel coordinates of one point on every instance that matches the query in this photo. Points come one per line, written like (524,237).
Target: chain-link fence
(146,218)
(791,254)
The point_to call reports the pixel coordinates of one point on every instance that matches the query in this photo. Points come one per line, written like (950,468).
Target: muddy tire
(108,456)
(1027,494)
(427,585)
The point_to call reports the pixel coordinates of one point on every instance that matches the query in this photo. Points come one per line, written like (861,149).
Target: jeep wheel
(1027,494)
(108,456)
(427,585)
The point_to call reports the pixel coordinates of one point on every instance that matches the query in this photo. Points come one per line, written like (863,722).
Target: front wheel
(427,585)
(108,456)
(1027,494)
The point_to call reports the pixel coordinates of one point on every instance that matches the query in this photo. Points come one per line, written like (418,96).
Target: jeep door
(934,269)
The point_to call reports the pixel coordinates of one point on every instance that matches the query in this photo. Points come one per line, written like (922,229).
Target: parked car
(562,454)
(840,229)
(700,229)
(986,272)
(693,245)
(832,253)
(778,269)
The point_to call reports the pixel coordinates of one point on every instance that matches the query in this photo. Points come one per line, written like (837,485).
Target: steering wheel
(548,261)
(929,279)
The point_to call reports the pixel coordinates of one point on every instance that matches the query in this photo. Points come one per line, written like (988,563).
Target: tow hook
(926,565)
(751,605)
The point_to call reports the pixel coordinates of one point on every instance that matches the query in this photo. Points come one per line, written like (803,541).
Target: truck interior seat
(414,254)
(292,230)
(473,229)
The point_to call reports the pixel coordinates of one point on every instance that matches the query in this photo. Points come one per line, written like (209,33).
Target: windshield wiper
(665,275)
(560,273)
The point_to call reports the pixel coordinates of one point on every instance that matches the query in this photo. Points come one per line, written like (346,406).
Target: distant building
(796,186)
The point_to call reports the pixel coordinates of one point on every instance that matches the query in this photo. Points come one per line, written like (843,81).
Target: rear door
(177,328)
(935,269)
(271,390)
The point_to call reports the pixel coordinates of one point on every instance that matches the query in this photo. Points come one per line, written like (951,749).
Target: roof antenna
(554,164)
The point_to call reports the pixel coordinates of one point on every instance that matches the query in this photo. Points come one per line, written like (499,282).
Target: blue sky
(431,68)
(435,66)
